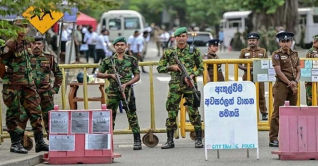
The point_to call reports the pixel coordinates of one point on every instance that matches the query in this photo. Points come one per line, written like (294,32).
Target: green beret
(179,31)
(119,39)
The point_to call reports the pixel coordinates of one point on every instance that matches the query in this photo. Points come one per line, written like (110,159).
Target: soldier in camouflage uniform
(19,88)
(127,66)
(213,48)
(312,53)
(179,87)
(43,64)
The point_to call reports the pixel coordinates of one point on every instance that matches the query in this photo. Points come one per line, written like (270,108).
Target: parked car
(200,38)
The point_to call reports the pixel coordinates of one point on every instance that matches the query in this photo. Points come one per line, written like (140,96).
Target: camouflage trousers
(114,97)
(47,104)
(172,105)
(13,97)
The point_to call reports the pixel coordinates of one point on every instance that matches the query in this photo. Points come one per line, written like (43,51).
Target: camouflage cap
(316,37)
(179,31)
(119,39)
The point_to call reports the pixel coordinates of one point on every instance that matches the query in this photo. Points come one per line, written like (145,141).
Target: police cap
(285,36)
(119,39)
(180,30)
(253,36)
(38,38)
(214,42)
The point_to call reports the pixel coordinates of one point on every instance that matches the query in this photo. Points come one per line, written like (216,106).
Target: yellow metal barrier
(151,140)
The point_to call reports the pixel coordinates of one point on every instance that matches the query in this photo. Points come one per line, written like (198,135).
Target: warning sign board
(44,21)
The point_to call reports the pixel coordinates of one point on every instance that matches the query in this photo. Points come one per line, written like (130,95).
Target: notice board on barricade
(263,70)
(230,118)
(80,136)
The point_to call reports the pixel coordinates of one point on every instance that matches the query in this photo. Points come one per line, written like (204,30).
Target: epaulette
(47,53)
(132,57)
(244,49)
(10,43)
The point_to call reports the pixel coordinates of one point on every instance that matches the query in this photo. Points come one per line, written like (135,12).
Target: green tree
(17,7)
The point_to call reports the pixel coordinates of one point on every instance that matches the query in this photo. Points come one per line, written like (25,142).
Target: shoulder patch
(276,56)
(47,53)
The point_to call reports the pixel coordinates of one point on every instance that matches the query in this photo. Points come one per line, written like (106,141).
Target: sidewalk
(13,159)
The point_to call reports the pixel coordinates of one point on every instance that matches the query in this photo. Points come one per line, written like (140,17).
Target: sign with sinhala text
(230,120)
(44,21)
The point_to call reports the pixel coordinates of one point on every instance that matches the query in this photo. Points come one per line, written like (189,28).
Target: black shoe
(264,116)
(198,139)
(40,144)
(274,143)
(16,146)
(169,144)
(137,142)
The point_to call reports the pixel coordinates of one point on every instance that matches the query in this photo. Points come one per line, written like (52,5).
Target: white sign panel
(230,111)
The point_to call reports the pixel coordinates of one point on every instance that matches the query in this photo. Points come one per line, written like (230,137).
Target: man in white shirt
(90,38)
(135,44)
(101,49)
(164,38)
(110,50)
(146,38)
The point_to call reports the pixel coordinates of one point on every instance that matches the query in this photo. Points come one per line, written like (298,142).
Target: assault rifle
(122,91)
(197,94)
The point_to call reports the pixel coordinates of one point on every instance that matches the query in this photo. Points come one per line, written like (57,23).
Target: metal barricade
(149,138)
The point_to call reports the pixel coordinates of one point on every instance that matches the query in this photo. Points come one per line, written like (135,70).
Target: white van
(121,23)
(236,20)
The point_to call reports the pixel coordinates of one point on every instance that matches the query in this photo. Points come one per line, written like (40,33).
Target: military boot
(264,116)
(40,144)
(137,141)
(169,144)
(16,146)
(198,139)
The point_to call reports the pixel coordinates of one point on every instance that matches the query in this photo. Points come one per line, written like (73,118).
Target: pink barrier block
(298,133)
(81,155)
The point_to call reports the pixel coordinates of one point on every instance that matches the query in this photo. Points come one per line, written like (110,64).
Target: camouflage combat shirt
(42,67)
(126,68)
(192,62)
(16,56)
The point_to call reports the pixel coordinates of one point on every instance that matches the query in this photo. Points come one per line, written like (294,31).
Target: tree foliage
(17,7)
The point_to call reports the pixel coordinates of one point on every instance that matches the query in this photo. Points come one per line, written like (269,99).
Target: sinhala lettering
(228,102)
(235,87)
(226,113)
